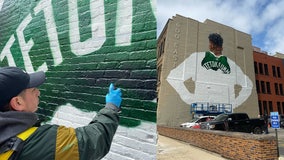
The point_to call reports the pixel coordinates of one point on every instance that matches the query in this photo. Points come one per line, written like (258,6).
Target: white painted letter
(26,46)
(46,7)
(97,26)
(6,52)
(123,27)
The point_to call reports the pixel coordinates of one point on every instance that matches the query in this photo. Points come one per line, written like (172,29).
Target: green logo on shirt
(210,61)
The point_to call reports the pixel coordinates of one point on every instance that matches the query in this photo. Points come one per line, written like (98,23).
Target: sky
(262,19)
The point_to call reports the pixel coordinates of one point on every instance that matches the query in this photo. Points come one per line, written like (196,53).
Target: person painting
(20,139)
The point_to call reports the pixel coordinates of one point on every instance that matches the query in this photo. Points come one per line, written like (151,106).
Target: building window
(255,68)
(273,71)
(257,86)
(161,48)
(262,87)
(159,74)
(260,68)
(268,87)
(270,106)
(281,89)
(279,107)
(266,69)
(276,88)
(282,108)
(265,107)
(278,72)
(260,107)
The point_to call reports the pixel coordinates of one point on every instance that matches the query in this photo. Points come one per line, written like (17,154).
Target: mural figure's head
(215,43)
(18,90)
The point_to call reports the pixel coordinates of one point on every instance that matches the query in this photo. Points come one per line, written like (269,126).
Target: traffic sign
(274,118)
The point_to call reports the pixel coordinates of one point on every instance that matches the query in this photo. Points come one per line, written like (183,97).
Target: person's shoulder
(208,52)
(197,54)
(204,52)
(47,127)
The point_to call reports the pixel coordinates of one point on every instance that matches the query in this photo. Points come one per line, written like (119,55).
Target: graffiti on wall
(210,78)
(83,46)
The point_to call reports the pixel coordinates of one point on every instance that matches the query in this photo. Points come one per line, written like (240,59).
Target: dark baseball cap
(14,80)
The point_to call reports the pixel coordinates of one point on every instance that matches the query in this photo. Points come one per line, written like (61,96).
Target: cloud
(264,20)
(274,38)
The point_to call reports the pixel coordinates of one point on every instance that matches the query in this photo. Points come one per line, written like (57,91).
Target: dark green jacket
(90,142)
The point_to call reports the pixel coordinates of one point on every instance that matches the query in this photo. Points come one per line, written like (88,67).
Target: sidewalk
(171,149)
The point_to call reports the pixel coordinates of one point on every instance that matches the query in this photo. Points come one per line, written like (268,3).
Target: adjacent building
(269,75)
(183,80)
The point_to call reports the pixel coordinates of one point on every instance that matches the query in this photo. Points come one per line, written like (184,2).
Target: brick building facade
(269,75)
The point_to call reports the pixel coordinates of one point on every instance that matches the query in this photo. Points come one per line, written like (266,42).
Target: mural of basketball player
(214,59)
(210,77)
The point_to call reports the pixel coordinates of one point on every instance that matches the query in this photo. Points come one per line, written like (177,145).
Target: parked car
(196,126)
(238,122)
(196,121)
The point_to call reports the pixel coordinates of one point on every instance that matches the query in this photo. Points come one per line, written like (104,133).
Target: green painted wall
(83,46)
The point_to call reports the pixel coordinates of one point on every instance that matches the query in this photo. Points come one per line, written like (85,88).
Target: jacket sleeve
(94,140)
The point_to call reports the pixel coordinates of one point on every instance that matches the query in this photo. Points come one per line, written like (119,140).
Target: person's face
(29,100)
(211,46)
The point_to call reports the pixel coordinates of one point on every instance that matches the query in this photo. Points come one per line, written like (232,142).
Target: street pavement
(171,149)
(280,134)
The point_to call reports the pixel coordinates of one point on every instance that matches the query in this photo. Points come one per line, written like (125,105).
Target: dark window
(273,71)
(255,68)
(159,74)
(279,107)
(266,69)
(260,68)
(265,107)
(281,89)
(262,87)
(260,107)
(276,88)
(282,108)
(257,86)
(278,72)
(270,106)
(161,48)
(268,87)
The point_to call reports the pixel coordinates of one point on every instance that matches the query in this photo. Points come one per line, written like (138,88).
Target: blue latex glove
(114,96)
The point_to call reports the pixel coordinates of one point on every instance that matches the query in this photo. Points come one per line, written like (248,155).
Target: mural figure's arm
(181,73)
(246,86)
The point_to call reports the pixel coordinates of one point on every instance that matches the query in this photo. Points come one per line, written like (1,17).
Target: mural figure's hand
(114,96)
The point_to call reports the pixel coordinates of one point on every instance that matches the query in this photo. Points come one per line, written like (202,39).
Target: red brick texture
(231,145)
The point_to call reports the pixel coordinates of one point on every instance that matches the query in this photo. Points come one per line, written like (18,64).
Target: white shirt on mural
(210,85)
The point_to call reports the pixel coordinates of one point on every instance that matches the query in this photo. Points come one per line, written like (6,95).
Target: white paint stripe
(128,143)
(124,16)
(1,4)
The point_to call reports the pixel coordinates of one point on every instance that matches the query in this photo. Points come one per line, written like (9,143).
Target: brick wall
(83,46)
(231,145)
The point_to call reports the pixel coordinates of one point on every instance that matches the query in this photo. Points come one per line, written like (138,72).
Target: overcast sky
(262,19)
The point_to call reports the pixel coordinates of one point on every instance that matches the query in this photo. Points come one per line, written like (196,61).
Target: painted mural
(210,77)
(83,46)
